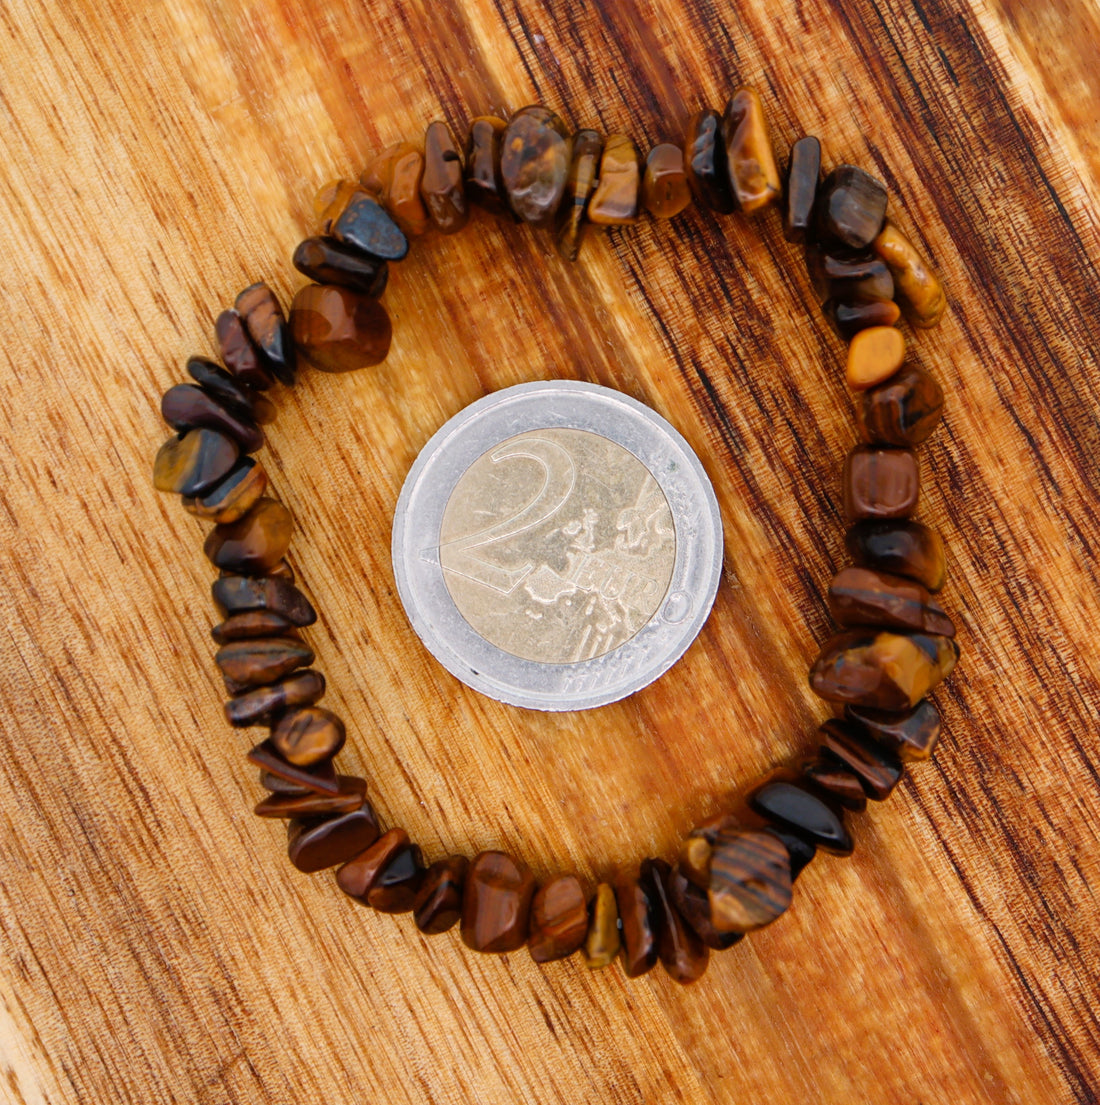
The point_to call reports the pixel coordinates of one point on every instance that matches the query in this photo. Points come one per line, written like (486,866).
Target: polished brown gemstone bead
(438,904)
(882,670)
(252,544)
(803,176)
(231,498)
(483,183)
(750,880)
(394,176)
(918,287)
(365,225)
(185,407)
(665,190)
(829,775)
(194,462)
(254,663)
(753,174)
(694,860)
(705,162)
(277,785)
(236,594)
(441,186)
(912,735)
(305,735)
(239,352)
(398,882)
(261,705)
(266,326)
(535,153)
(338,330)
(862,596)
(559,919)
(361,871)
(230,392)
(793,808)
(252,623)
(875,355)
(880,482)
(351,796)
(851,208)
(638,918)
(602,942)
(902,411)
(849,317)
(317,843)
(325,261)
(682,953)
(847,277)
(693,906)
(496,903)
(876,767)
(617,198)
(580,184)
(321,778)
(900,547)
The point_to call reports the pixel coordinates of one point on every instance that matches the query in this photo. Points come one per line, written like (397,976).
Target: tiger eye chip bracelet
(735,872)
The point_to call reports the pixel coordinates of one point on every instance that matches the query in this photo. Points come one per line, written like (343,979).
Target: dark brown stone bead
(252,623)
(232,497)
(638,918)
(617,198)
(254,663)
(882,670)
(305,735)
(262,704)
(849,316)
(880,481)
(317,843)
(236,594)
(912,735)
(829,775)
(801,851)
(706,164)
(901,548)
(682,953)
(847,277)
(876,767)
(803,177)
(277,785)
(754,176)
(306,804)
(602,942)
(441,186)
(361,871)
(483,182)
(394,176)
(750,880)
(252,544)
(338,330)
(580,184)
(327,262)
(438,904)
(266,325)
(364,225)
(693,906)
(862,596)
(239,352)
(795,809)
(398,882)
(194,462)
(665,189)
(919,289)
(851,208)
(535,153)
(496,903)
(320,778)
(216,382)
(902,411)
(694,860)
(559,919)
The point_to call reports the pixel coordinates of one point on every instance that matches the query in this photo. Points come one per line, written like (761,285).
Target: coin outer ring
(543,405)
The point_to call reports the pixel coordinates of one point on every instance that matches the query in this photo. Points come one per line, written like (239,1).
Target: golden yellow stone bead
(616,201)
(395,176)
(874,356)
(917,286)
(665,190)
(601,945)
(754,175)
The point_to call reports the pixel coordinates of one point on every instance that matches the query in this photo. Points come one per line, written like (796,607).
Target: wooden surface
(156,945)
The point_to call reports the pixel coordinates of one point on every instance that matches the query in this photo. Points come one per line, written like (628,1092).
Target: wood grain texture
(155,945)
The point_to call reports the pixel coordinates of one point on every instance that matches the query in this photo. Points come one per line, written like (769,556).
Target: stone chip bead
(848,276)
(232,497)
(261,705)
(750,880)
(252,623)
(911,735)
(803,176)
(441,187)
(681,952)
(918,287)
(665,190)
(186,407)
(326,261)
(254,543)
(693,906)
(266,325)
(638,919)
(617,198)
(398,881)
(330,201)
(705,162)
(792,807)
(338,330)
(559,919)
(602,941)
(850,316)
(194,462)
(876,767)
(237,594)
(535,155)
(496,903)
(316,843)
(882,670)
(900,547)
(880,481)
(753,174)
(580,184)
(902,411)
(484,185)
(862,596)
(307,804)
(874,355)
(362,870)
(438,905)
(851,209)
(285,778)
(364,225)
(827,774)
(239,352)
(263,660)
(394,176)
(216,382)
(694,860)
(305,735)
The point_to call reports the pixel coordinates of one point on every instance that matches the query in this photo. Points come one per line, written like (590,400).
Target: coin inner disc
(557,545)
